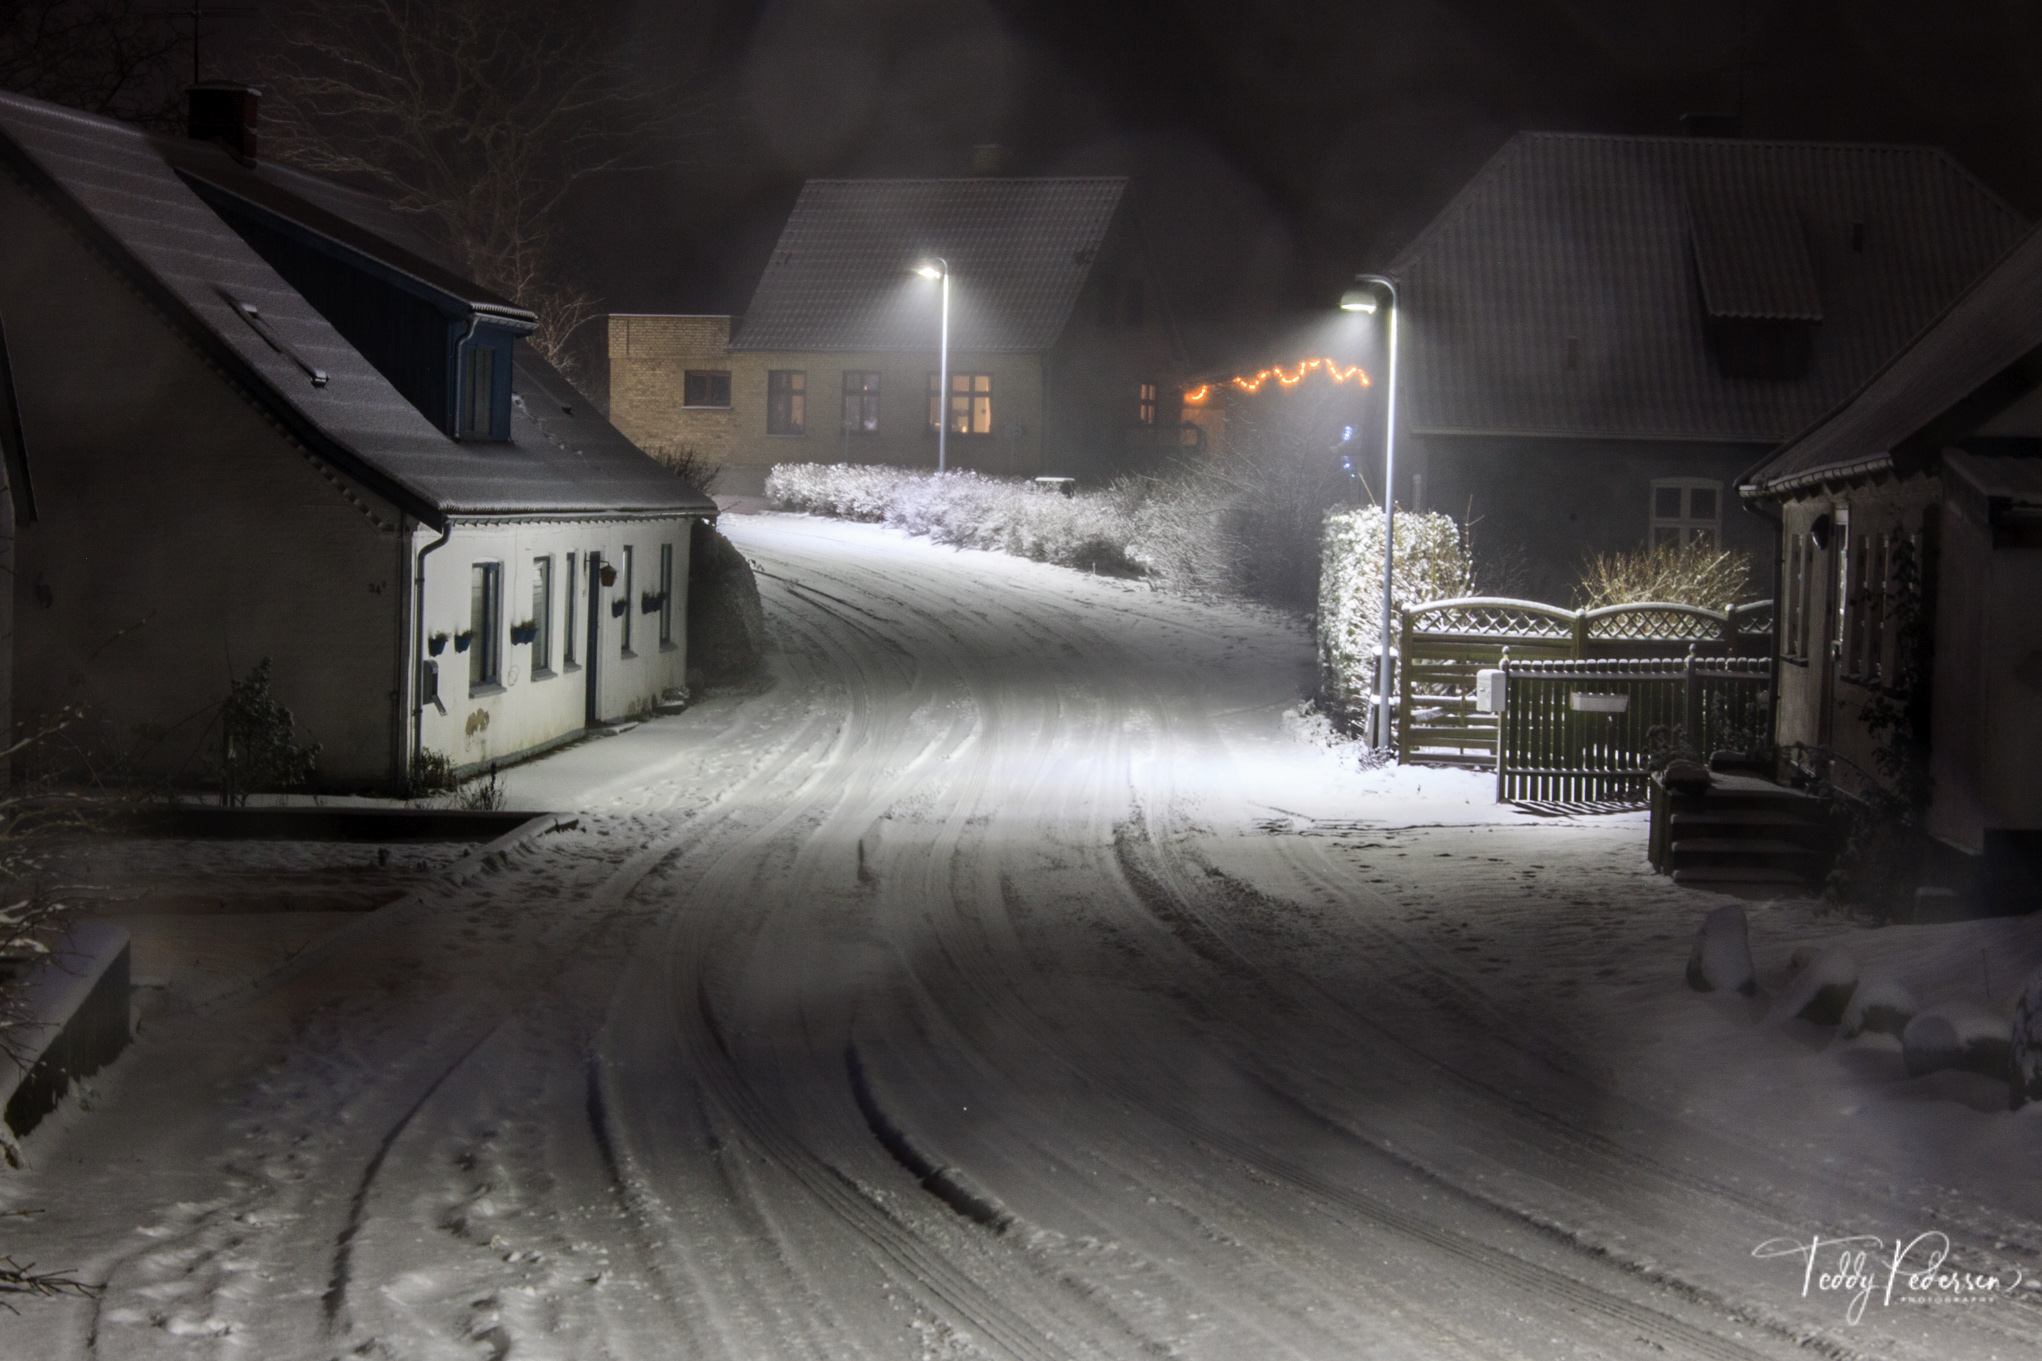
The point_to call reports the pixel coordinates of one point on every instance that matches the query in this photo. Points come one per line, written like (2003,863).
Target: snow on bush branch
(1172,531)
(1432,564)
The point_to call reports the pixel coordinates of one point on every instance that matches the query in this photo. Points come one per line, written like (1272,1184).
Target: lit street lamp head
(929,270)
(1358,299)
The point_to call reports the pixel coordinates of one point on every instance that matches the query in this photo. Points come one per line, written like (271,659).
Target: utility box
(1489,691)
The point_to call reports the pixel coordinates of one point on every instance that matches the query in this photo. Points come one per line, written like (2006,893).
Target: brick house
(1933,468)
(1063,356)
(259,419)
(1601,332)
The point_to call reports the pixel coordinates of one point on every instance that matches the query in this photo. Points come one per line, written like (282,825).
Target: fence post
(1580,634)
(1502,720)
(1403,675)
(1691,704)
(1730,629)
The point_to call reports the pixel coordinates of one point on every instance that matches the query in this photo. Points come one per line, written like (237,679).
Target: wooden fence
(1581,732)
(1443,644)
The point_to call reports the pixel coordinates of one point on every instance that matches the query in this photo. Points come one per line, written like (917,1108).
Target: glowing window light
(1332,369)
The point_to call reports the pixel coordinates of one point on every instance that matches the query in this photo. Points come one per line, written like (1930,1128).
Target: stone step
(1701,876)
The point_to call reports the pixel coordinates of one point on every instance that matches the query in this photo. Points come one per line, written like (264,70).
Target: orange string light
(1332,368)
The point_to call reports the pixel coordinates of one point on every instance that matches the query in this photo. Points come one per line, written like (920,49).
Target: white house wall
(528,709)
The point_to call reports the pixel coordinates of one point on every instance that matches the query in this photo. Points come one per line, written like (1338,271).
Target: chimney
(1710,125)
(223,111)
(986,158)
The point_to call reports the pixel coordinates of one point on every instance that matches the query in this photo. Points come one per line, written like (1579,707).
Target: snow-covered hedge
(1432,564)
(1173,532)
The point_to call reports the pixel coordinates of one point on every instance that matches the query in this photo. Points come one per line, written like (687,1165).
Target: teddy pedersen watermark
(1908,1271)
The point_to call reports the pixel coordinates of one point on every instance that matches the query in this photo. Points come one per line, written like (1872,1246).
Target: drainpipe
(418,649)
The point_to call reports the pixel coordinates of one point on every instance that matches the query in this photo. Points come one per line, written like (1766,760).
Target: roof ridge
(966,179)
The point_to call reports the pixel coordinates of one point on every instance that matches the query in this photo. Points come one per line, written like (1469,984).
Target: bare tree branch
(113,57)
(479,115)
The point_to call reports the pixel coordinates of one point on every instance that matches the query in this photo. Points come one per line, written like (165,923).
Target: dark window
(666,595)
(542,614)
(478,392)
(971,403)
(703,387)
(1134,304)
(573,611)
(1108,299)
(1687,510)
(624,634)
(1145,404)
(787,402)
(861,401)
(485,622)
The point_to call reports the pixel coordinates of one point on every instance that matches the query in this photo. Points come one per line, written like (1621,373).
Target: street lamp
(937,267)
(1364,297)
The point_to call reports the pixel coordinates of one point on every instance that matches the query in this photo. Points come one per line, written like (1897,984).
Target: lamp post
(1363,298)
(937,267)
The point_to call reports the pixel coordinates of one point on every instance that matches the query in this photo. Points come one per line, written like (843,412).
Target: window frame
(787,403)
(866,398)
(978,401)
(1686,526)
(666,596)
(571,612)
(485,626)
(708,377)
(626,573)
(1145,403)
(542,615)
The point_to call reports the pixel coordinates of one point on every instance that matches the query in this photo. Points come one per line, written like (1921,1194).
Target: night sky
(1277,148)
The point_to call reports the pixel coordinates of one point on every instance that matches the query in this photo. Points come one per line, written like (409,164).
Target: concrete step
(1737,845)
(1702,876)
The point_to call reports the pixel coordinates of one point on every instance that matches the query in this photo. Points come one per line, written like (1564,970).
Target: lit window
(542,614)
(666,595)
(1687,510)
(787,402)
(485,620)
(1145,404)
(971,403)
(624,633)
(703,387)
(861,401)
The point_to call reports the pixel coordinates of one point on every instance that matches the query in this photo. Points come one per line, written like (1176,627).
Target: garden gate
(1581,732)
(1445,643)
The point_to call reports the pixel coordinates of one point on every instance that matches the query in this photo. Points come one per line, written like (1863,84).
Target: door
(1834,621)
(592,652)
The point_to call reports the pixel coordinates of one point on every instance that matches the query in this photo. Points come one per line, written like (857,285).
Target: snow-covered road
(1009,980)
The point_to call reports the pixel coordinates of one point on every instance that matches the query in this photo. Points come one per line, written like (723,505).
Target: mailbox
(1489,691)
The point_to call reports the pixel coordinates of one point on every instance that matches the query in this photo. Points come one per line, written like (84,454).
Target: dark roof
(121,189)
(1019,252)
(1631,245)
(1957,374)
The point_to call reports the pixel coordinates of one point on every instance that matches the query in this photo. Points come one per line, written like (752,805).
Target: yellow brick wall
(649,357)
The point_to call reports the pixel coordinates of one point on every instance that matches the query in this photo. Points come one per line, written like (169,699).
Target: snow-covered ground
(1015,977)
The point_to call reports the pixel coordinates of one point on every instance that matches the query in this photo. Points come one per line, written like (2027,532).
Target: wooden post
(1580,634)
(1403,674)
(1691,699)
(1502,720)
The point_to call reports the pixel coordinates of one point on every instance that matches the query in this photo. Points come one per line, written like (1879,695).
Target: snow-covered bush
(1170,530)
(1432,563)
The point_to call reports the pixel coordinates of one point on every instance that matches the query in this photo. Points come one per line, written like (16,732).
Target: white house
(256,418)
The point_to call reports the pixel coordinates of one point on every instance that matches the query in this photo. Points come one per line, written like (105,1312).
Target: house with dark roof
(257,419)
(1600,332)
(1064,359)
(1910,567)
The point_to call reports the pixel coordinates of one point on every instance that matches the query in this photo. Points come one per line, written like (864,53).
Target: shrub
(1169,530)
(1692,573)
(1432,564)
(258,741)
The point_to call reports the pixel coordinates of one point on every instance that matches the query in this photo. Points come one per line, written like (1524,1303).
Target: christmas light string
(1332,367)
